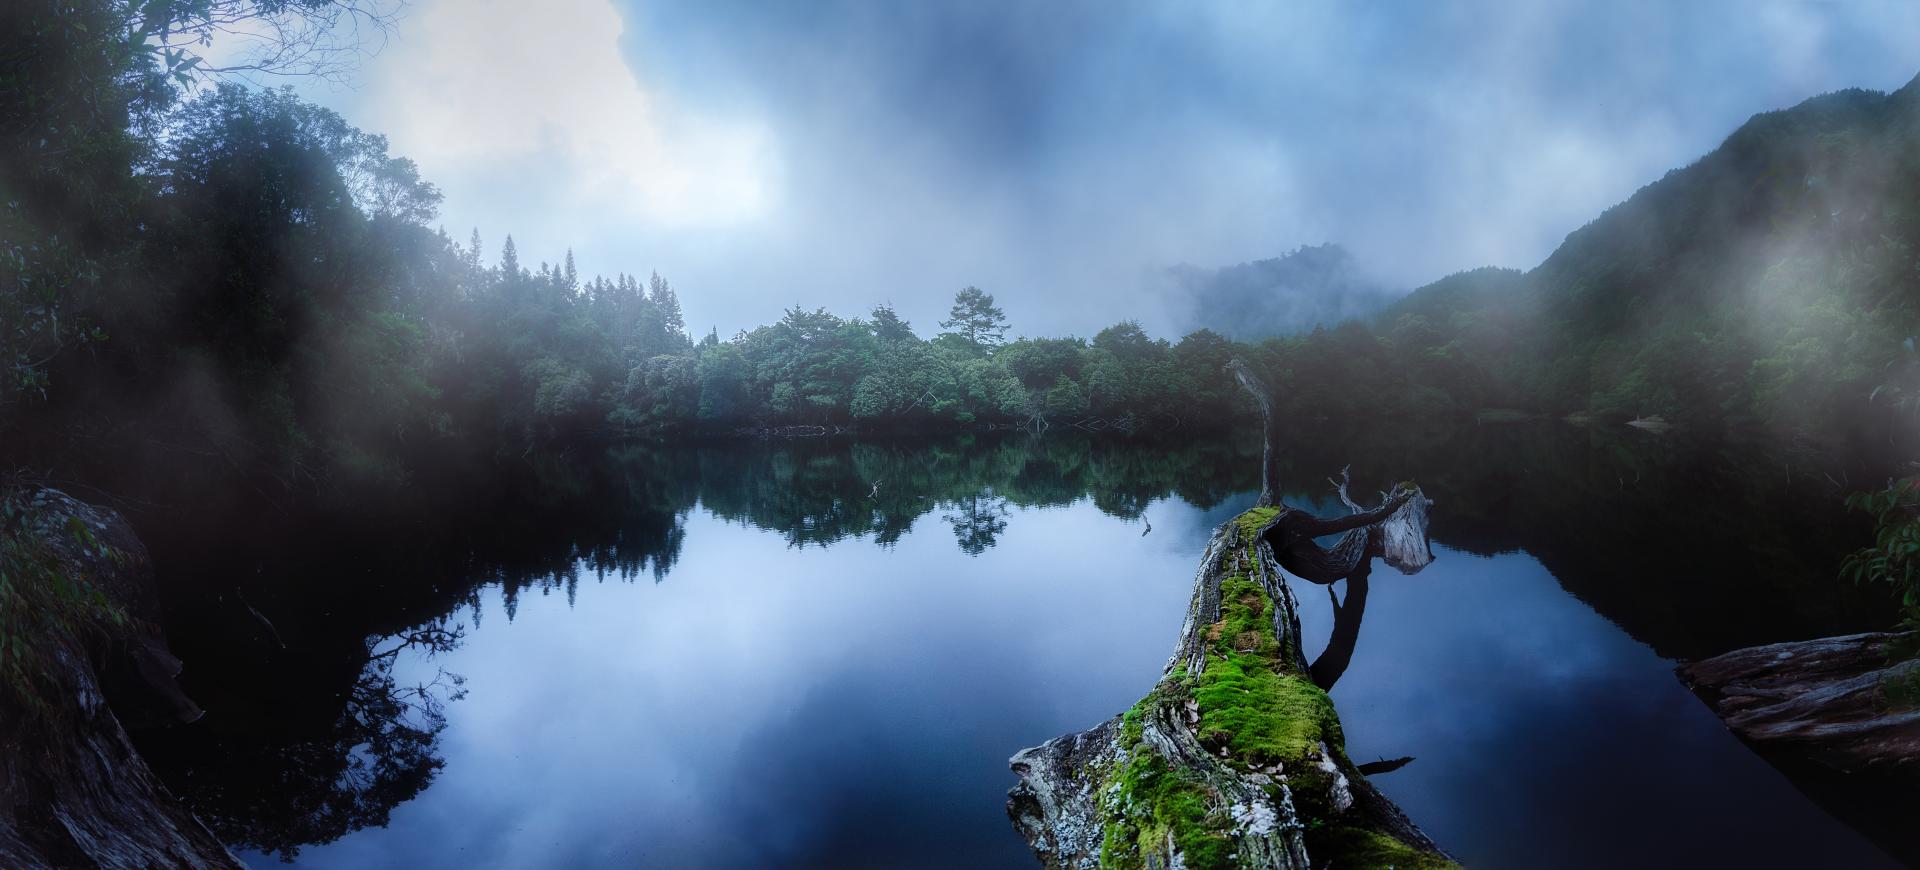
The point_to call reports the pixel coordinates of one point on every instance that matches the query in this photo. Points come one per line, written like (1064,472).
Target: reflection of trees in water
(307,743)
(319,738)
(276,793)
(1692,545)
(819,491)
(977,520)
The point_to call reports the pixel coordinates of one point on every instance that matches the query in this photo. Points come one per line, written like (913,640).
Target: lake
(821,652)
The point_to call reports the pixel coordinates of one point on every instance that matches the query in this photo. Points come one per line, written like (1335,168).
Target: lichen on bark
(1234,759)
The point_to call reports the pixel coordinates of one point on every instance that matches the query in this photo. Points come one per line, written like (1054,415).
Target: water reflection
(777,662)
(1332,662)
(287,785)
(977,521)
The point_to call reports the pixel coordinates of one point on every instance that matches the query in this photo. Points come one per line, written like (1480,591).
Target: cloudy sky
(1061,154)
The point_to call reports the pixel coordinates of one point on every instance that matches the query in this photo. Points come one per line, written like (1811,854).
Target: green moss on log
(1350,846)
(1257,713)
(1152,804)
(1250,702)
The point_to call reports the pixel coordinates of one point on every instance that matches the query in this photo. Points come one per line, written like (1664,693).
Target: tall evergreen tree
(509,259)
(889,326)
(975,318)
(668,302)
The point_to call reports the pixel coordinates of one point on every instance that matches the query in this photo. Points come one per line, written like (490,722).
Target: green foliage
(75,93)
(44,606)
(266,276)
(1894,557)
(1764,285)
(975,319)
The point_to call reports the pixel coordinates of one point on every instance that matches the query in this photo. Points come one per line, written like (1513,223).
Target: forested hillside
(203,275)
(1771,283)
(1317,285)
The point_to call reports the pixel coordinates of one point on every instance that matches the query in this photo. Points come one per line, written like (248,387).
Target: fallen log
(1236,758)
(1825,701)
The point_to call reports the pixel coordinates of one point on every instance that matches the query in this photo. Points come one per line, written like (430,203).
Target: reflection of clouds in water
(758,702)
(1522,706)
(769,704)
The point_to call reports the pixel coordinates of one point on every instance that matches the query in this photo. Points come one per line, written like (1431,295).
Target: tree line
(199,274)
(195,274)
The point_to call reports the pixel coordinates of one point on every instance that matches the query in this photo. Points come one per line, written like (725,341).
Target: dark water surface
(743,655)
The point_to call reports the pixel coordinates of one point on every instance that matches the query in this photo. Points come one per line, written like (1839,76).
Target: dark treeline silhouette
(294,632)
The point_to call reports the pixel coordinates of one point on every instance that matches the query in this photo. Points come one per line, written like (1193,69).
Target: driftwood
(1824,701)
(1236,758)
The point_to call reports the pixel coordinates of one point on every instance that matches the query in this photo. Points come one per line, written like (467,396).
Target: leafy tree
(1039,362)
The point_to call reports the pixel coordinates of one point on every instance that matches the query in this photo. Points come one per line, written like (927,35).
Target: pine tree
(889,326)
(509,259)
(669,303)
(975,318)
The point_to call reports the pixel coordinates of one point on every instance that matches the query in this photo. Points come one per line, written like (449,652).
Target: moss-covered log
(1236,758)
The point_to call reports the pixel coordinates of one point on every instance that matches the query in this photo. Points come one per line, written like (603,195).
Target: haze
(1063,155)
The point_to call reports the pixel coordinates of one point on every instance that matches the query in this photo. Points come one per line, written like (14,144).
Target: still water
(748,654)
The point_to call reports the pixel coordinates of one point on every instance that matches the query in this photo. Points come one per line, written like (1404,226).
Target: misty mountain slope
(1772,280)
(1312,286)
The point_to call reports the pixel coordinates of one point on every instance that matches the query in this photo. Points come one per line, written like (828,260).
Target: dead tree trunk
(1269,431)
(1834,701)
(1236,758)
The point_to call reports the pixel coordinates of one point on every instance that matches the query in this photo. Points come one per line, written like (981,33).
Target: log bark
(1824,701)
(1078,807)
(1236,757)
(75,793)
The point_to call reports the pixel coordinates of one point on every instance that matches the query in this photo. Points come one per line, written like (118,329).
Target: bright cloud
(534,100)
(844,153)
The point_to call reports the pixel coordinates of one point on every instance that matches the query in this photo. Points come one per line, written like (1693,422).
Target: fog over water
(1064,155)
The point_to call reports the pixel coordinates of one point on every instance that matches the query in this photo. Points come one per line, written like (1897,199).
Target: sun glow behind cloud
(843,154)
(533,101)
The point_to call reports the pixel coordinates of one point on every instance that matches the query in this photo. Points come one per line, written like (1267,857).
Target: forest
(240,280)
(234,321)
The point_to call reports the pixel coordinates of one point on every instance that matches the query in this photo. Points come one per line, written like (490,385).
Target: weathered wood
(1236,758)
(1821,700)
(1080,798)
